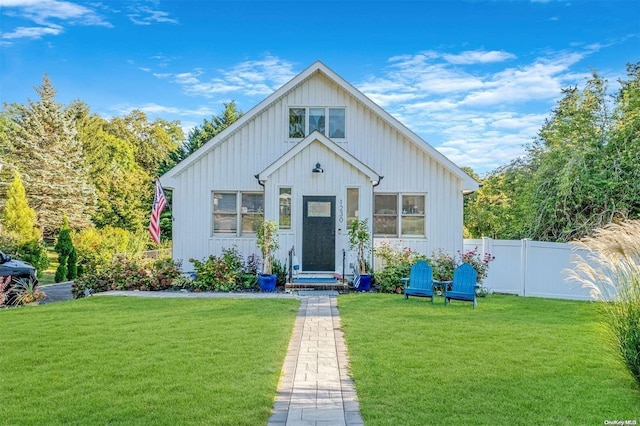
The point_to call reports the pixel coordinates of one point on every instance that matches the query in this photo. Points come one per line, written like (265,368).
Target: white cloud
(32,32)
(144,15)
(159,110)
(249,78)
(468,106)
(478,57)
(42,12)
(50,17)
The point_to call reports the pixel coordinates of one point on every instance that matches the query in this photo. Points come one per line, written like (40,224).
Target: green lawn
(510,361)
(49,274)
(114,360)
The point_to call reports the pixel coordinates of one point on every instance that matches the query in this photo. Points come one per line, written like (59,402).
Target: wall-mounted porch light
(318,169)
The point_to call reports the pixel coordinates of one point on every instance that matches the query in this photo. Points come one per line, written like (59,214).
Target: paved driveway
(57,292)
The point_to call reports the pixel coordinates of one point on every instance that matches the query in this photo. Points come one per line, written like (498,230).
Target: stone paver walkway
(315,387)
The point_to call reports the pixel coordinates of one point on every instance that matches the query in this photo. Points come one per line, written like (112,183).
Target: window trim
(239,215)
(400,214)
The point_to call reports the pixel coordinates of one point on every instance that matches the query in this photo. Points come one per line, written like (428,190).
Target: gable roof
(316,136)
(468,183)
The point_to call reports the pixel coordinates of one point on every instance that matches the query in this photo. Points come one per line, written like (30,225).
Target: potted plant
(267,234)
(360,240)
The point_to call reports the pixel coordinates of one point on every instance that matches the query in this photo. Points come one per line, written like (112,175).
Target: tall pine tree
(50,160)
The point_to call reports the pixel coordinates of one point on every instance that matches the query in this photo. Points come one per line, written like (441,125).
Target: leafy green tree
(580,173)
(499,208)
(152,141)
(623,148)
(50,160)
(17,217)
(122,185)
(571,188)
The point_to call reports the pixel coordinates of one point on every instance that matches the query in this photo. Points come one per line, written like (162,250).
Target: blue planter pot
(365,283)
(267,283)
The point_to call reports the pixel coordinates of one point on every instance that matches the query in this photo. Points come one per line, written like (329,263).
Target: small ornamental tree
(267,235)
(360,240)
(17,217)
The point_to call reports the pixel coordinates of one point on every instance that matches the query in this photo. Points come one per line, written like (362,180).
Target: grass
(49,274)
(108,360)
(510,361)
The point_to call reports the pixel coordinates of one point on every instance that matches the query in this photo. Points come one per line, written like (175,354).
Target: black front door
(318,233)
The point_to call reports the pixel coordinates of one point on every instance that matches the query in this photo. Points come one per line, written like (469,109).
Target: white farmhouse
(313,156)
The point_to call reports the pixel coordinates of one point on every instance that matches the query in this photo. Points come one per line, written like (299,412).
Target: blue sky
(475,79)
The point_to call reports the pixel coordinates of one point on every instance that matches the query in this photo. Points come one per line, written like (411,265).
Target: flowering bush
(397,265)
(479,263)
(443,265)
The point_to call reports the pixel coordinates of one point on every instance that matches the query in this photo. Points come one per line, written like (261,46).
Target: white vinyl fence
(529,268)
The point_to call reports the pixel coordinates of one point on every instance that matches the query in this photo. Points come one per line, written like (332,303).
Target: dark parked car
(17,269)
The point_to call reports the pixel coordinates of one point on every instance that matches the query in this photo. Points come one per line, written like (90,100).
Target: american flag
(159,201)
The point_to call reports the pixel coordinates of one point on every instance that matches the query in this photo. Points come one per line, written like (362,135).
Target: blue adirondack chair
(420,281)
(463,286)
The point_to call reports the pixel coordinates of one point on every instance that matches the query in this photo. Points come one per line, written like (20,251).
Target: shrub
(611,271)
(27,291)
(479,263)
(129,274)
(225,273)
(64,248)
(5,289)
(397,265)
(443,265)
(97,247)
(280,270)
(35,253)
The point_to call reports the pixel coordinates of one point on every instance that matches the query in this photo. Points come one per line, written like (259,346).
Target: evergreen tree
(202,134)
(72,265)
(18,219)
(50,160)
(64,248)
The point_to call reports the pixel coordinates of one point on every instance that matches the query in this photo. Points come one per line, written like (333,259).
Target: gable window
(304,121)
(297,122)
(399,215)
(316,119)
(336,123)
(237,213)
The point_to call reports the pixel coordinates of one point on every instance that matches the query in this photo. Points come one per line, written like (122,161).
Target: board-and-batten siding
(232,164)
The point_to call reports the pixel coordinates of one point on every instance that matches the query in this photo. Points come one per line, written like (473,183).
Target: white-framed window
(399,215)
(353,205)
(284,209)
(304,120)
(236,212)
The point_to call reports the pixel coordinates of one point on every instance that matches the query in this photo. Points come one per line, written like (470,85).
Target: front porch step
(311,284)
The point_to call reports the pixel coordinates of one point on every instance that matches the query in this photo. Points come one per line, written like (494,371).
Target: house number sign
(318,209)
